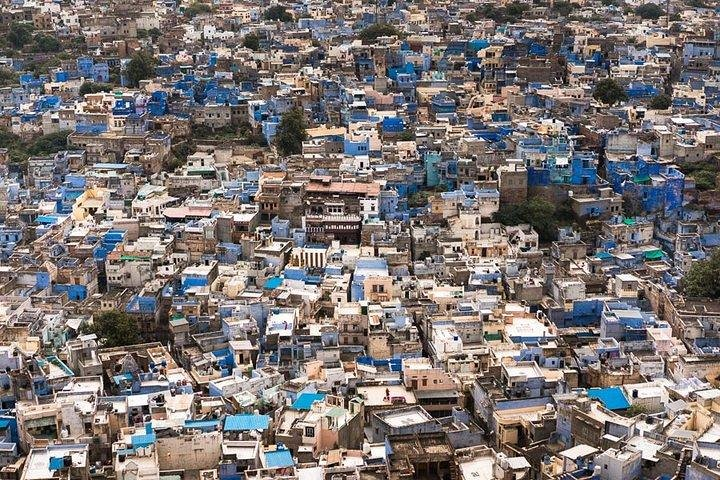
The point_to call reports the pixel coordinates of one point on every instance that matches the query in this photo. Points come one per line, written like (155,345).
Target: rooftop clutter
(359,240)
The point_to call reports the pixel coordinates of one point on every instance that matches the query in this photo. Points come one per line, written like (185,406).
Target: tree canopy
(252,41)
(509,12)
(609,92)
(661,102)
(277,13)
(291,132)
(197,8)
(544,216)
(20,34)
(19,151)
(46,44)
(7,77)
(371,33)
(563,7)
(703,279)
(93,87)
(649,11)
(50,143)
(114,329)
(141,66)
(705,180)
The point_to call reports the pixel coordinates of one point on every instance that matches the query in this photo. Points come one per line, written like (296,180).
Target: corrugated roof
(279,459)
(247,421)
(305,400)
(202,424)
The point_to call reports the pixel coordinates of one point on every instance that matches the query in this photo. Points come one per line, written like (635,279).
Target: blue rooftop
(242,422)
(273,282)
(305,400)
(612,398)
(279,459)
(142,440)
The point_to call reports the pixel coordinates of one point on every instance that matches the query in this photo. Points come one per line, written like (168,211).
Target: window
(309,431)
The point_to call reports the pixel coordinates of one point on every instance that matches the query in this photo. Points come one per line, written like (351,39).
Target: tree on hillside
(371,33)
(20,34)
(544,216)
(252,41)
(703,279)
(649,11)
(705,180)
(94,87)
(609,92)
(291,132)
(7,77)
(277,13)
(198,8)
(114,329)
(49,144)
(46,44)
(661,102)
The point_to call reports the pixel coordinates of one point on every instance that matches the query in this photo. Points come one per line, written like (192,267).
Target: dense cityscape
(359,240)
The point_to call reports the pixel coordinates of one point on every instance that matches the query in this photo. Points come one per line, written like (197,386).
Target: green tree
(140,67)
(661,102)
(277,13)
(114,329)
(20,34)
(155,33)
(92,87)
(142,33)
(16,149)
(252,41)
(649,11)
(563,8)
(609,92)
(41,67)
(406,135)
(635,410)
(197,8)
(46,44)
(291,132)
(705,180)
(703,279)
(7,77)
(516,9)
(488,10)
(49,144)
(543,215)
(371,33)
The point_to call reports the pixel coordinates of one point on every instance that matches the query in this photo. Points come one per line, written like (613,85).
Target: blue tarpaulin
(305,400)
(612,398)
(56,463)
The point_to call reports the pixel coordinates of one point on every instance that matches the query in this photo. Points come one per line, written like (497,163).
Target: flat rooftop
(405,417)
